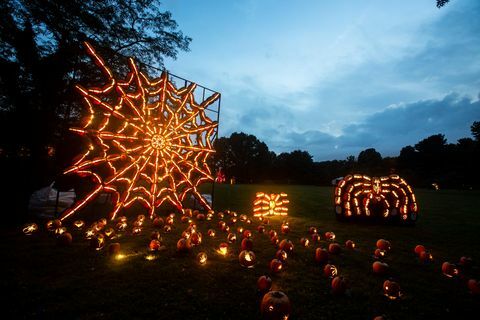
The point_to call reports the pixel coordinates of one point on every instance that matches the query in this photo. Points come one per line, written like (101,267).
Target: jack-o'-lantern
(329,235)
(276,265)
(167,228)
(425,256)
(349,244)
(316,238)
(247,258)
(223,248)
(30,228)
(383,244)
(330,271)
(52,225)
(286,245)
(97,242)
(312,230)
(285,228)
(247,244)
(281,255)
(79,224)
(304,242)
(196,238)
(379,254)
(391,290)
(449,269)
(183,245)
(321,255)
(264,283)
(202,258)
(158,222)
(247,233)
(419,249)
(275,306)
(154,245)
(211,233)
(261,229)
(232,237)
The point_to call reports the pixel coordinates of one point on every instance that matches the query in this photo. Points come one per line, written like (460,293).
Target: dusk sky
(336,77)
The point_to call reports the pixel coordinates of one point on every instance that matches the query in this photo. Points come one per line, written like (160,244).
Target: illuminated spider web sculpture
(270,204)
(149,141)
(382,197)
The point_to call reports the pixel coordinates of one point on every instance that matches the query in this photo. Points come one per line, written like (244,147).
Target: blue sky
(335,77)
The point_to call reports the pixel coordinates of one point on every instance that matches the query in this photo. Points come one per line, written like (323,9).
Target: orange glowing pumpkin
(275,305)
(321,255)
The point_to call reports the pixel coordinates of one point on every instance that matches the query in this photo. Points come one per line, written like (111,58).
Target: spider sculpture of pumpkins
(387,198)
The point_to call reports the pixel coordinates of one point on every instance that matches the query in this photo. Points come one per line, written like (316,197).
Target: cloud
(391,129)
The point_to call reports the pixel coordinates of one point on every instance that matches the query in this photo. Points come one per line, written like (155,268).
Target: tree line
(431,160)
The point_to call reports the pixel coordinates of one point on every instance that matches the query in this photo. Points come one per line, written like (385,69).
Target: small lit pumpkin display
(109,233)
(265,220)
(209,215)
(286,245)
(379,254)
(103,222)
(169,220)
(304,242)
(78,224)
(275,305)
(196,238)
(232,237)
(316,238)
(114,248)
(158,222)
(60,230)
(272,233)
(391,290)
(200,217)
(221,224)
(419,249)
(52,225)
(379,267)
(223,248)
(339,285)
(281,255)
(261,228)
(425,257)
(349,244)
(329,235)
(274,240)
(121,226)
(189,213)
(211,233)
(136,230)
(474,286)
(97,242)
(154,245)
(30,228)
(155,235)
(330,271)
(312,230)
(248,221)
(232,221)
(383,244)
(202,258)
(64,239)
(240,230)
(465,262)
(270,204)
(247,233)
(449,269)
(285,228)
(220,215)
(89,233)
(167,228)
(276,265)
(247,258)
(264,283)
(247,244)
(387,198)
(321,255)
(334,248)
(183,245)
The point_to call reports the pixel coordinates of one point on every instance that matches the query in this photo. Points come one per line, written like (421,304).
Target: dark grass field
(43,280)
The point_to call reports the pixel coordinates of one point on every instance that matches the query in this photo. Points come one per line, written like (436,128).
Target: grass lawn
(43,280)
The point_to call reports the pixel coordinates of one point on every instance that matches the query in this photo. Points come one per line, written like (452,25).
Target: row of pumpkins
(274,304)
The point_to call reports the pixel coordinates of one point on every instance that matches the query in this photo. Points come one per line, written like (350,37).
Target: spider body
(388,198)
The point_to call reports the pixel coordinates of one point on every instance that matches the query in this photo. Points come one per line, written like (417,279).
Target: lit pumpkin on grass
(64,239)
(425,257)
(276,265)
(232,237)
(286,245)
(304,242)
(196,238)
(281,255)
(154,245)
(184,245)
(391,290)
(247,234)
(264,283)
(158,222)
(114,248)
(449,269)
(285,228)
(202,258)
(261,229)
(379,254)
(30,228)
(349,244)
(247,258)
(383,244)
(329,235)
(330,271)
(339,285)
(247,244)
(380,267)
(321,255)
(419,249)
(275,305)
(97,242)
(334,248)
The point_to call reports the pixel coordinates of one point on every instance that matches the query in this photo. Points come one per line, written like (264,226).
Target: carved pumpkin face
(247,258)
(275,305)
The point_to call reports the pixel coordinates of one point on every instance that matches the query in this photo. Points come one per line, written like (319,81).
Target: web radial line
(153,188)
(123,171)
(93,162)
(80,204)
(126,194)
